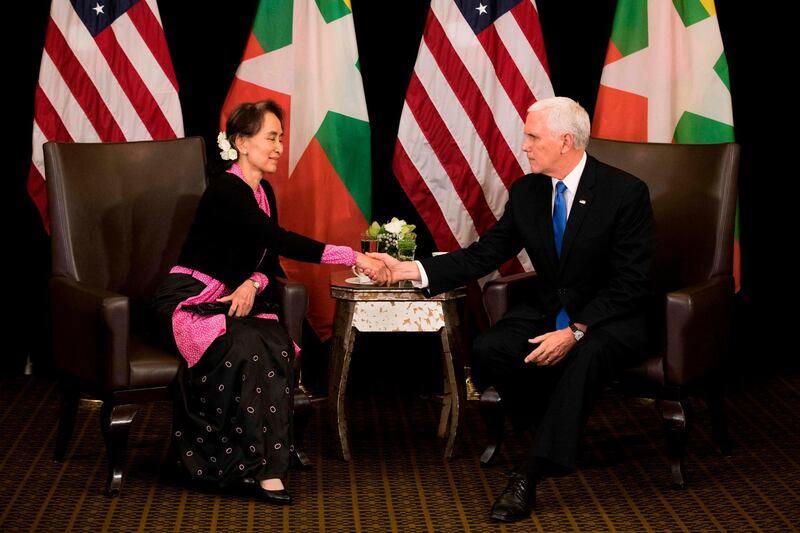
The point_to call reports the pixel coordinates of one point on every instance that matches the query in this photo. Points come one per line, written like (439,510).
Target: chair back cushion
(119,212)
(693,191)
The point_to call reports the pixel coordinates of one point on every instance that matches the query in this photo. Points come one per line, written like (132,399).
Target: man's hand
(553,346)
(372,267)
(241,299)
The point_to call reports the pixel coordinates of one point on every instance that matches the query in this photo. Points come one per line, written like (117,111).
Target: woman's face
(263,150)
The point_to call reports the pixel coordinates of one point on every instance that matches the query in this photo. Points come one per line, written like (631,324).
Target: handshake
(383,269)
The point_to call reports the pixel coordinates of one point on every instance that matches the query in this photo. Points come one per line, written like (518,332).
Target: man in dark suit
(588,229)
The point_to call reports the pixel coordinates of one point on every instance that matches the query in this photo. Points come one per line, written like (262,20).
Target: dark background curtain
(206,40)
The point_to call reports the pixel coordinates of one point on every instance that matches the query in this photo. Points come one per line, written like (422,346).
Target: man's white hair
(565,115)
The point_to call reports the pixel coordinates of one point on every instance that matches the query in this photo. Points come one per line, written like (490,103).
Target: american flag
(105,76)
(480,65)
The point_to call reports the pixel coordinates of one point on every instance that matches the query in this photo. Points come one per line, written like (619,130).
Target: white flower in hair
(227,152)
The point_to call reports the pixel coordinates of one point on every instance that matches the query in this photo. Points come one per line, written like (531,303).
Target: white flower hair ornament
(227,152)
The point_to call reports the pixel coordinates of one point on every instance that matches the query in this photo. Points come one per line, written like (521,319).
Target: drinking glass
(369,243)
(406,249)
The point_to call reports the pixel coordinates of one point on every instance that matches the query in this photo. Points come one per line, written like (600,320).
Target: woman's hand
(241,299)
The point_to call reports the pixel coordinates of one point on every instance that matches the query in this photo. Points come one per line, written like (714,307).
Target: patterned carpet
(399,481)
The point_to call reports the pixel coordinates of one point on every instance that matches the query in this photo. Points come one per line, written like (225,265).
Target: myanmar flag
(666,78)
(303,55)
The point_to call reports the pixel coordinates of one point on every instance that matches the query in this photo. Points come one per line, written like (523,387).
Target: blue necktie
(559,224)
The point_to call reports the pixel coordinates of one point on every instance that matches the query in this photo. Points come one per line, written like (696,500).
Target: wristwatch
(577,333)
(256,284)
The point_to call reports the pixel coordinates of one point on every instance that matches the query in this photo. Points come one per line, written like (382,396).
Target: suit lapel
(580,206)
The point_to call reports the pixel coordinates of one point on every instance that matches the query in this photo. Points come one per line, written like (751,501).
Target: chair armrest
(698,329)
(497,296)
(294,302)
(90,332)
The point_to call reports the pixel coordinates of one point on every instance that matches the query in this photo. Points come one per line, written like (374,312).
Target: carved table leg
(453,374)
(341,350)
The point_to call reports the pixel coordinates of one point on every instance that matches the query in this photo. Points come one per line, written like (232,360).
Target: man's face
(543,149)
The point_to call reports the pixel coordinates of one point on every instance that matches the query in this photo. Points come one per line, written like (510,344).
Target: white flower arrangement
(396,227)
(390,233)
(227,152)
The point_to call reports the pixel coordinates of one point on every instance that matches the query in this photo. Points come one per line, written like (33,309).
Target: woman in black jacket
(233,411)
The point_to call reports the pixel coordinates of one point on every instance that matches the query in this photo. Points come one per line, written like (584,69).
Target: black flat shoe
(251,487)
(516,501)
(277,497)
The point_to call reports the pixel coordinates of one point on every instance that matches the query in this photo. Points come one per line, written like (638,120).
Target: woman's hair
(246,119)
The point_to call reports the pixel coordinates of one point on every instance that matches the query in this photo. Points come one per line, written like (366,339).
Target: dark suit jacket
(602,277)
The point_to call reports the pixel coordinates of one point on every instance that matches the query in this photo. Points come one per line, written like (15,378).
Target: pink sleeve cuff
(262,280)
(338,255)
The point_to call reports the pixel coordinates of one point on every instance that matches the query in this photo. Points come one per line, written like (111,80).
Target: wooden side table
(368,308)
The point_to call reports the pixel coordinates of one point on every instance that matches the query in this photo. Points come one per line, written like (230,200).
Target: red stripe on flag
(37,189)
(472,100)
(422,198)
(507,72)
(152,33)
(48,119)
(81,86)
(133,86)
(452,159)
(527,18)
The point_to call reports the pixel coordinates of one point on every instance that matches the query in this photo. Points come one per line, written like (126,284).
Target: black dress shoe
(516,501)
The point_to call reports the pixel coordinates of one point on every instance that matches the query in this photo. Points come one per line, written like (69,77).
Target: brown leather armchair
(119,213)
(693,192)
